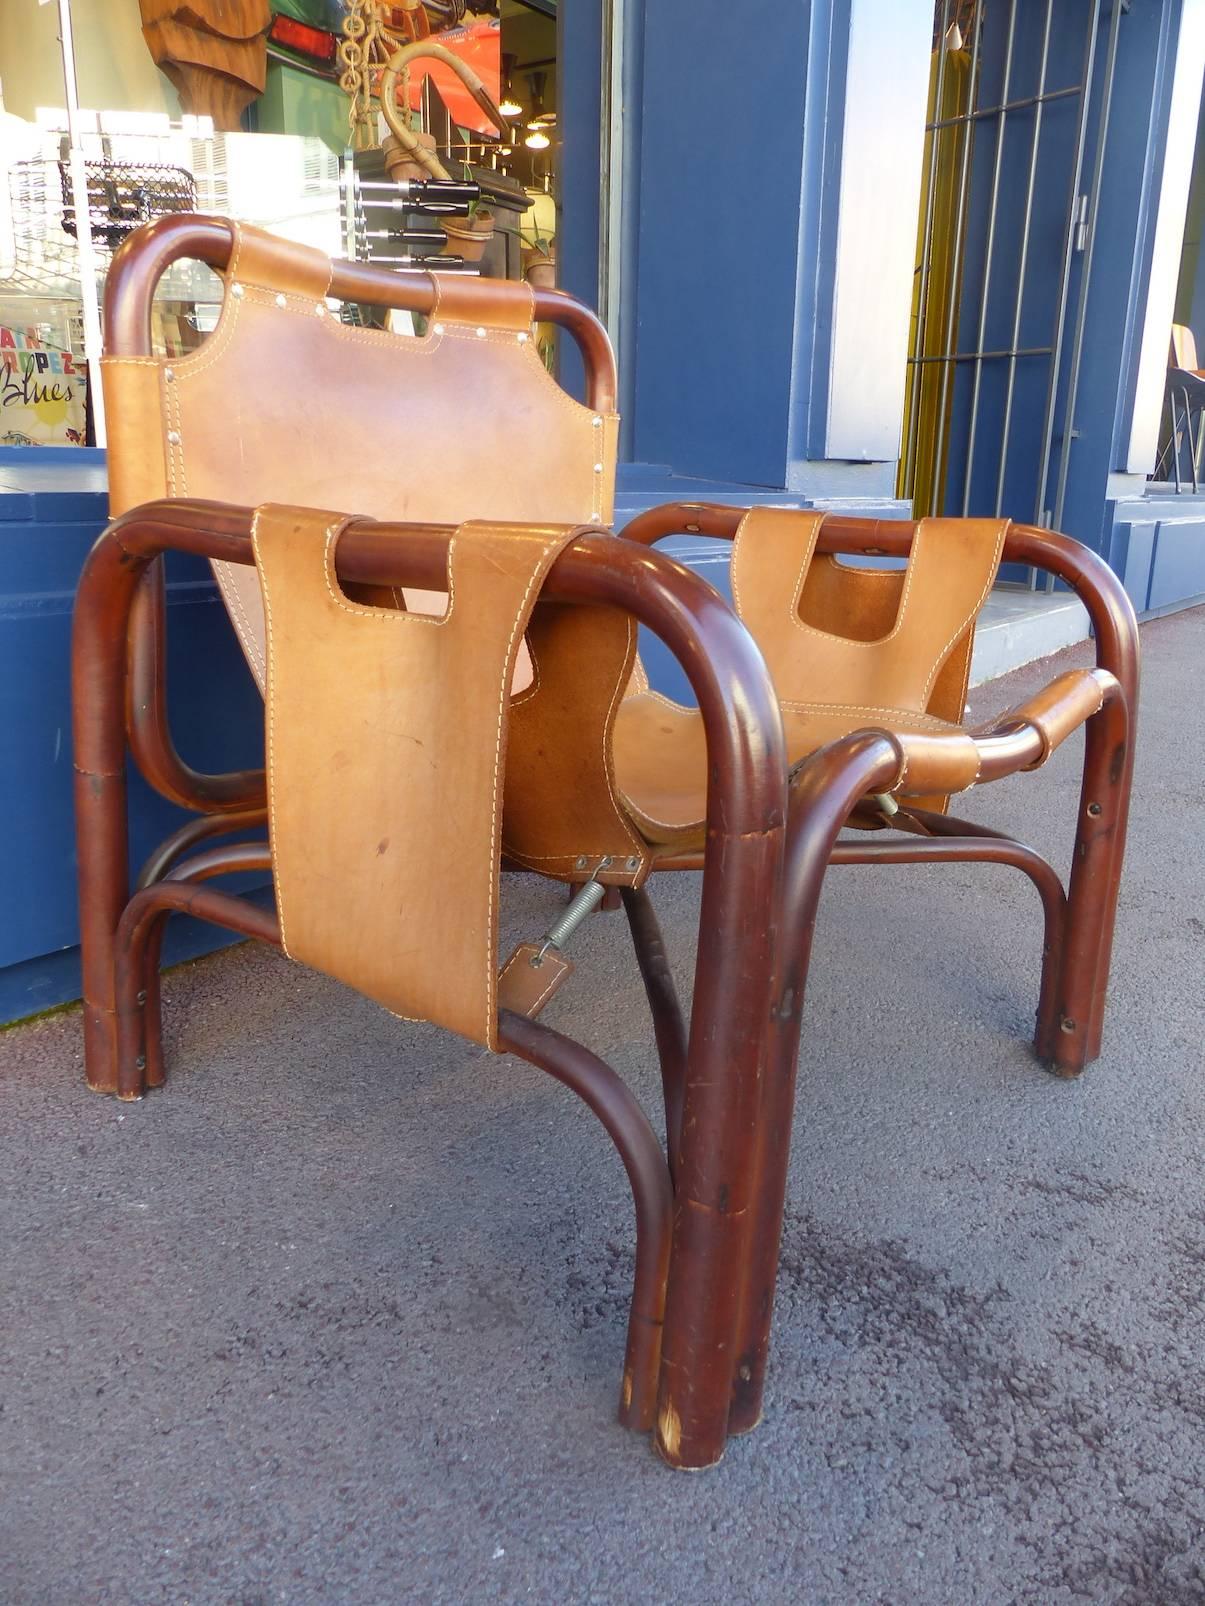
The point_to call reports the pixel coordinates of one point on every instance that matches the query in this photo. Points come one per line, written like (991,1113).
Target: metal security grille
(1014,150)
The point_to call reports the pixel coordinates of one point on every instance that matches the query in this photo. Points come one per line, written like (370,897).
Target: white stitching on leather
(388,615)
(1001,532)
(270,700)
(508,675)
(621,682)
(931,722)
(537,1003)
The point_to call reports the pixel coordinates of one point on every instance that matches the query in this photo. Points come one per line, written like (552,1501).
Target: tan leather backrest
(865,639)
(386,757)
(283,403)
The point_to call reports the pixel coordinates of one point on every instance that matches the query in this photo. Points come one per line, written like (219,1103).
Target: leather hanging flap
(562,807)
(386,754)
(951,569)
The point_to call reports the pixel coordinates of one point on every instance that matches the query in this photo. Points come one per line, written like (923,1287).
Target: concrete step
(1016,627)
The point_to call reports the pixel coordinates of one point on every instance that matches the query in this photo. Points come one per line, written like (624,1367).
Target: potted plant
(468,236)
(539,264)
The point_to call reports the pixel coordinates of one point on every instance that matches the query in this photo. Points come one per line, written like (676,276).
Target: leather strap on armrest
(279,265)
(1060,708)
(492,303)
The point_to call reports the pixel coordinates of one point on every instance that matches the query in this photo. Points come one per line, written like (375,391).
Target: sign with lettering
(42,392)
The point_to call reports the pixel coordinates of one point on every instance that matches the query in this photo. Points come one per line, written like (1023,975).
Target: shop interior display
(214,52)
(434,169)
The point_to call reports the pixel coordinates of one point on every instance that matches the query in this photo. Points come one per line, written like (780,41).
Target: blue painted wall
(52,506)
(719,203)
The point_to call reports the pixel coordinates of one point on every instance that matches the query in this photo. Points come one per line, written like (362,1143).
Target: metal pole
(959,216)
(1025,226)
(83,226)
(611,170)
(1191,449)
(910,445)
(1040,512)
(1081,316)
(993,206)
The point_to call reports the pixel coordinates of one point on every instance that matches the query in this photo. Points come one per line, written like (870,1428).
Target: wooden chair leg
(1070,1039)
(98,696)
(825,791)
(669,1026)
(604,1092)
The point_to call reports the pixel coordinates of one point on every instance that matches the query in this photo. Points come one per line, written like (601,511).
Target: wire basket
(124,195)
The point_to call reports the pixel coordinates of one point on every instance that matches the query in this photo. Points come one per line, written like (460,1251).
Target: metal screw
(141,999)
(582,862)
(1067,1025)
(140,1062)
(633,863)
(605,864)
(1094,809)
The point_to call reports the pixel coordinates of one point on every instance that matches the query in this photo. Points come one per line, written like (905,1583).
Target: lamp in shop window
(509,105)
(537,129)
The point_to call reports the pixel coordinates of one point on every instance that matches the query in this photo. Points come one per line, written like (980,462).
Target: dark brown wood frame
(707,1235)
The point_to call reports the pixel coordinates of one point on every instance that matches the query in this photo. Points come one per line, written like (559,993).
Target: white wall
(882,150)
(115,69)
(1169,239)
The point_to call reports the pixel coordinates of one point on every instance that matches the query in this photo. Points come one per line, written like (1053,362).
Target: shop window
(1014,148)
(300,148)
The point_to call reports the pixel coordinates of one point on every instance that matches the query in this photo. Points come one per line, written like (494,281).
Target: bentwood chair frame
(829,788)
(681,1318)
(707,1234)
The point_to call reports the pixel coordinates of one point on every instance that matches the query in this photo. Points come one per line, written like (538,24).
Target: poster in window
(42,392)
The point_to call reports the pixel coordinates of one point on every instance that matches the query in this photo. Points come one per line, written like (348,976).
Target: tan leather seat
(848,648)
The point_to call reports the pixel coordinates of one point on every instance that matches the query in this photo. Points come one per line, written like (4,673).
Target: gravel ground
(339,1314)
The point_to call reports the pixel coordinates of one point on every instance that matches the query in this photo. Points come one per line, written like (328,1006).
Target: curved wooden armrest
(725,669)
(1061,707)
(143,259)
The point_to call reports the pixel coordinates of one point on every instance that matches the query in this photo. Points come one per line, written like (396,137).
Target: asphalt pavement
(338,1315)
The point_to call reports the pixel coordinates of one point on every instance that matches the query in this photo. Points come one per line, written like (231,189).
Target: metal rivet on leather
(632,864)
(280,301)
(597,422)
(581,861)
(522,338)
(598,468)
(169,374)
(596,518)
(236,289)
(320,309)
(173,437)
(480,333)
(439,328)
